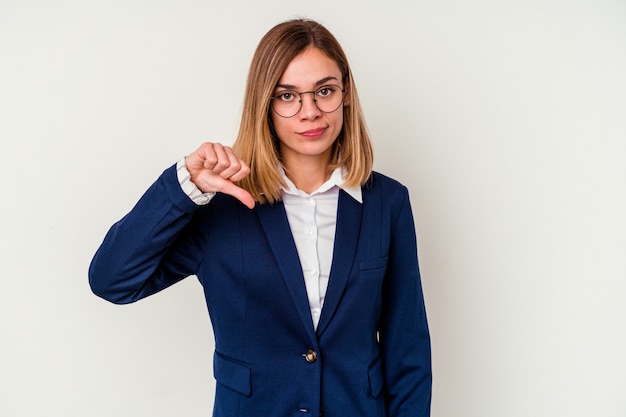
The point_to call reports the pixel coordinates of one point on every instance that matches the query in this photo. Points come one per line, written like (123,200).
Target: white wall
(507,121)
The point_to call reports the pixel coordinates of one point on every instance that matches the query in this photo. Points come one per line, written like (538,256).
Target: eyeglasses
(327,98)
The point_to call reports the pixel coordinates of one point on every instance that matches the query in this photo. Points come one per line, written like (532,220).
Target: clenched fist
(214,168)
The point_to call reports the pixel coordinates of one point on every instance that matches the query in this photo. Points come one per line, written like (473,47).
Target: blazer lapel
(347,233)
(276,227)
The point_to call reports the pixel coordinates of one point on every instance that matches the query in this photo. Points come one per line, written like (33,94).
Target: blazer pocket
(375,376)
(232,374)
(373,268)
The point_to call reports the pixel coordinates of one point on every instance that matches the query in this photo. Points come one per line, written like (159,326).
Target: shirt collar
(337,178)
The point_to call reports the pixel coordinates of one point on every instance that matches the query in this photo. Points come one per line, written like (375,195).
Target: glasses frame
(300,94)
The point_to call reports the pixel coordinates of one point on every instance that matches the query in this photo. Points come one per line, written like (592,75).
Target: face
(310,134)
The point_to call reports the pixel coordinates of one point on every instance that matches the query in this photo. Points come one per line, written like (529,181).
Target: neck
(307,176)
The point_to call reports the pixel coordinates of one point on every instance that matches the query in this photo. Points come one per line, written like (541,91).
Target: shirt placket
(310,261)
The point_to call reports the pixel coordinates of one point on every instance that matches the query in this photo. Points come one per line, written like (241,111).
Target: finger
(239,193)
(234,164)
(244,171)
(202,158)
(216,159)
(238,169)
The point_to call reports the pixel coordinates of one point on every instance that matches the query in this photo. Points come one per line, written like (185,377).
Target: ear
(346,97)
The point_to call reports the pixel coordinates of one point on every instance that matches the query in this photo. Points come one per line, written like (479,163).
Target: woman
(307,258)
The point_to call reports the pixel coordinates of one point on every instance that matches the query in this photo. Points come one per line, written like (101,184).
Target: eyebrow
(317,83)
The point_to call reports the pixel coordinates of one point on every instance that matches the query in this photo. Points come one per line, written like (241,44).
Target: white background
(506,120)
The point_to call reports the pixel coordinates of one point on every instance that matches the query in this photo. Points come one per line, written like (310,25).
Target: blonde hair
(257,143)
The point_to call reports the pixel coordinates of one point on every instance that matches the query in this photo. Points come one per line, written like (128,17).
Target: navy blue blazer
(370,354)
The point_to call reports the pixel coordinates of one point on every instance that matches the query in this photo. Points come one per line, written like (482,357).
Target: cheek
(338,120)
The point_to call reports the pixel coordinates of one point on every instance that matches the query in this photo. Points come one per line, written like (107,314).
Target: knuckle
(206,146)
(210,160)
(222,164)
(236,165)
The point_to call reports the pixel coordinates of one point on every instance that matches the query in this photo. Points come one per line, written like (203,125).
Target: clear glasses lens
(287,103)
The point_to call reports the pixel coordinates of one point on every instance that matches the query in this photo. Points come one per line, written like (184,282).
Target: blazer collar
(337,178)
(274,221)
(347,234)
(276,226)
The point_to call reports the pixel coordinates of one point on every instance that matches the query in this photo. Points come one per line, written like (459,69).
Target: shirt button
(310,356)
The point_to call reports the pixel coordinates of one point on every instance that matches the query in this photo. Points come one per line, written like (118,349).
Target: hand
(214,168)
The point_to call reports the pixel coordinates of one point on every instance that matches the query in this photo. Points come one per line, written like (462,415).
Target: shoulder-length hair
(257,144)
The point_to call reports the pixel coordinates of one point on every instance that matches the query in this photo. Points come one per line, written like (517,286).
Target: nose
(308,109)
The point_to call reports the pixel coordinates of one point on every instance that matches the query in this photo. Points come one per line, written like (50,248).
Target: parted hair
(257,144)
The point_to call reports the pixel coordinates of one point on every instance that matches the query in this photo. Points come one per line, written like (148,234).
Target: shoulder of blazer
(385,186)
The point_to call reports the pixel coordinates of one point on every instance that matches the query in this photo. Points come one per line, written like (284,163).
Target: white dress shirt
(312,220)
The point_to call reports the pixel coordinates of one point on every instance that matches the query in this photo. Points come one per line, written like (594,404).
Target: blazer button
(310,356)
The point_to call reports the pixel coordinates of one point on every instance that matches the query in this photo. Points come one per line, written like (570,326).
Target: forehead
(308,68)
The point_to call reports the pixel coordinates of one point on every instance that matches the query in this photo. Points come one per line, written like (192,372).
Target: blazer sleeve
(141,254)
(404,335)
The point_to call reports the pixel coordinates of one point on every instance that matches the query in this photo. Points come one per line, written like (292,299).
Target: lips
(313,133)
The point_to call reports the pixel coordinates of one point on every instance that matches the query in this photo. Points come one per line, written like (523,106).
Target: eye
(286,96)
(326,91)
